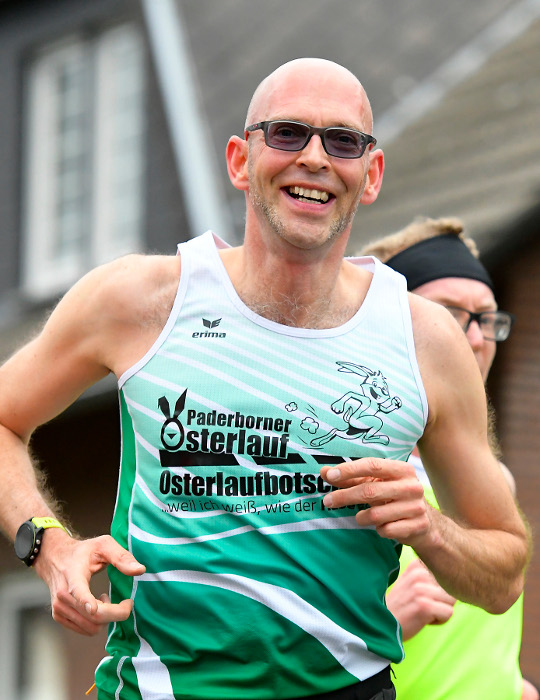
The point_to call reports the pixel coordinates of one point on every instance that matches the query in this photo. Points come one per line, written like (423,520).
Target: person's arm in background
(417,600)
(529,691)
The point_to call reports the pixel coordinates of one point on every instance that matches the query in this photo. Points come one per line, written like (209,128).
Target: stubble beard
(269,212)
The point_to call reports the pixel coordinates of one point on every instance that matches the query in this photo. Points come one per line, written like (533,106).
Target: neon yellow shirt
(473,655)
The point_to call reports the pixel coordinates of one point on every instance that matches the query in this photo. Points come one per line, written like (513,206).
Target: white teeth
(312,194)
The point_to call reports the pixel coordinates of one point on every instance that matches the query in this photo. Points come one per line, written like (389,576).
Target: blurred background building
(114,119)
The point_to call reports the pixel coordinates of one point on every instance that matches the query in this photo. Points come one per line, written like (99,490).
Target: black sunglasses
(294,136)
(495,325)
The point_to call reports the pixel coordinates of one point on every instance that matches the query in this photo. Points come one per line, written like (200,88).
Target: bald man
(270,396)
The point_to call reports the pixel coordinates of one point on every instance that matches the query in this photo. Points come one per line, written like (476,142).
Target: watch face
(24,541)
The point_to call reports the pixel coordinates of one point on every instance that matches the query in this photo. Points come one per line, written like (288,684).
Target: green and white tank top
(253,589)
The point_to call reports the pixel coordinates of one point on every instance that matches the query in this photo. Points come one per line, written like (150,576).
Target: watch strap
(44,523)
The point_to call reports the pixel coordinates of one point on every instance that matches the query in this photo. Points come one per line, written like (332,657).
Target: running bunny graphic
(360,408)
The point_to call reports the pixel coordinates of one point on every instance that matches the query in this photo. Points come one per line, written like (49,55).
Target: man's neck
(297,290)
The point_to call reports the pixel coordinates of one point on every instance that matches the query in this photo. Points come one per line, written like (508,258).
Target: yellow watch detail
(49,522)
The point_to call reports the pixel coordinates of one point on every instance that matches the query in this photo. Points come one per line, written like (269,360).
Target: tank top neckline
(371,264)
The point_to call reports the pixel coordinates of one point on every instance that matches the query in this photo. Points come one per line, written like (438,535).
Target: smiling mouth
(303,194)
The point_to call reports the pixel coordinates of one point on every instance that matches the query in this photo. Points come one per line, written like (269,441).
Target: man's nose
(313,155)
(474,335)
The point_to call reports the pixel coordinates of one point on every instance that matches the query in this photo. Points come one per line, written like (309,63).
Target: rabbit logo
(172,431)
(360,408)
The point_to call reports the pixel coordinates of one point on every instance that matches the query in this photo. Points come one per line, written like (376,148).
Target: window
(32,655)
(83,158)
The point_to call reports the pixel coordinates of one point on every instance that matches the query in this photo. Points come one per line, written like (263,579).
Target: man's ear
(374,177)
(237,167)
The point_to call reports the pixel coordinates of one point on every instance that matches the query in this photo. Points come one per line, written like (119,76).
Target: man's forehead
(448,290)
(311,86)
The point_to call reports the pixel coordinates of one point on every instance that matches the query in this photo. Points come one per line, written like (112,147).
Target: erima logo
(211,324)
(209,334)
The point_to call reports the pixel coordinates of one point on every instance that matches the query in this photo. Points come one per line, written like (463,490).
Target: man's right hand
(67,565)
(417,600)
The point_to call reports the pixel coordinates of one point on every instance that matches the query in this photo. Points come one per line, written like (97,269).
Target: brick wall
(516,394)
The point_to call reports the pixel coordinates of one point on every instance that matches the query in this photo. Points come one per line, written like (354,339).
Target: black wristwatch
(30,535)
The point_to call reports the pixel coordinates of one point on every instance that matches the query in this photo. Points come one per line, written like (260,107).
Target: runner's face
(474,296)
(323,98)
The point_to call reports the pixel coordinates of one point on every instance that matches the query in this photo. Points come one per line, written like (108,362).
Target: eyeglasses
(495,325)
(294,136)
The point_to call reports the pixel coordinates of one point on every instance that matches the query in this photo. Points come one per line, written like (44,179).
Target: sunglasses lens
(293,136)
(287,136)
(344,143)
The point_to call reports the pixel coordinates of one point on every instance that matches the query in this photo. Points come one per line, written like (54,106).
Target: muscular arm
(95,329)
(477,546)
(479,528)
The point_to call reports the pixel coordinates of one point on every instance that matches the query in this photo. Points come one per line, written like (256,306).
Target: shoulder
(132,289)
(115,312)
(446,361)
(104,323)
(435,330)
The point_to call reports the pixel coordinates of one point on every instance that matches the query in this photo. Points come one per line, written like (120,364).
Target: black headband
(438,257)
